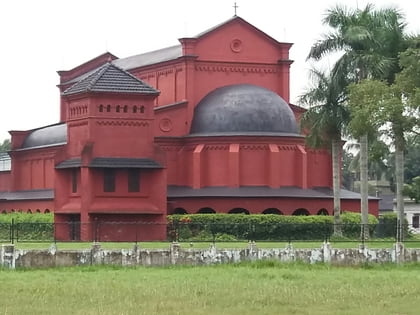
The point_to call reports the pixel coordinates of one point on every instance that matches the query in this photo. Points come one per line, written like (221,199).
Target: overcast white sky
(41,37)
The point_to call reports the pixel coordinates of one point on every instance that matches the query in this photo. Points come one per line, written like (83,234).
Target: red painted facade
(233,53)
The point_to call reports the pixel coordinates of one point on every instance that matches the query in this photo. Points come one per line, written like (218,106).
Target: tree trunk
(399,179)
(364,204)
(335,155)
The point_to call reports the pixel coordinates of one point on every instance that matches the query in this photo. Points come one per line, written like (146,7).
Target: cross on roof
(235,7)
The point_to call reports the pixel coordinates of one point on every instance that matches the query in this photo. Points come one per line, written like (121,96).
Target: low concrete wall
(10,257)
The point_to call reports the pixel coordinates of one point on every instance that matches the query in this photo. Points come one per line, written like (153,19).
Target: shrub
(387,226)
(27,226)
(262,227)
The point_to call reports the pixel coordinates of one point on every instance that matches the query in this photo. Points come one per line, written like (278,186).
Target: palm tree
(326,118)
(369,41)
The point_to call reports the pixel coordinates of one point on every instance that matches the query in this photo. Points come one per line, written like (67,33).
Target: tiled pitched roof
(110,78)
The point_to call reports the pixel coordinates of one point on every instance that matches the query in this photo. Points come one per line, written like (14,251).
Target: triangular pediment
(236,40)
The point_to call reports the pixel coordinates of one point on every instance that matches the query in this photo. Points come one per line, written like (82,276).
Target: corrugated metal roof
(46,136)
(38,194)
(257,191)
(5,162)
(71,163)
(149,58)
(112,162)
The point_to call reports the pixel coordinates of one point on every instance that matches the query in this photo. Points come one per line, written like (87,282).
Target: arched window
(4,211)
(272,211)
(322,211)
(47,211)
(301,211)
(108,108)
(239,211)
(118,108)
(101,108)
(180,211)
(206,210)
(125,108)
(29,211)
(142,109)
(38,211)
(134,109)
(12,211)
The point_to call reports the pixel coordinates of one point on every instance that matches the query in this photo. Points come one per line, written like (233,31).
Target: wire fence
(195,232)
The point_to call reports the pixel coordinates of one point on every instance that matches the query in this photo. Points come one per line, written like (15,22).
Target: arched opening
(180,211)
(272,211)
(117,109)
(108,108)
(20,210)
(29,211)
(142,109)
(322,211)
(38,211)
(125,108)
(301,211)
(47,211)
(206,210)
(101,108)
(12,211)
(4,212)
(238,211)
(134,109)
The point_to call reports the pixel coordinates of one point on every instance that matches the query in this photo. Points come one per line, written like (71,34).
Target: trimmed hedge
(27,217)
(27,227)
(387,226)
(221,227)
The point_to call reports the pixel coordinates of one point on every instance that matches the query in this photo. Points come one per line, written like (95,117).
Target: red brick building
(201,127)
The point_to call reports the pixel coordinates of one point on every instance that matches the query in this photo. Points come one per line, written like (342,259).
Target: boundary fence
(195,232)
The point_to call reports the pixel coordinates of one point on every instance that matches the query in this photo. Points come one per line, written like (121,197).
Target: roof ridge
(100,72)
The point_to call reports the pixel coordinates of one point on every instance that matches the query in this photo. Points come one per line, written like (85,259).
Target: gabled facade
(201,127)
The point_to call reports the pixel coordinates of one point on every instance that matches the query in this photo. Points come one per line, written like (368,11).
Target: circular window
(236,45)
(165,124)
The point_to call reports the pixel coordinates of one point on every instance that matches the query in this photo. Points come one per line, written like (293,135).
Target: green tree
(393,107)
(413,190)
(5,146)
(326,119)
(369,41)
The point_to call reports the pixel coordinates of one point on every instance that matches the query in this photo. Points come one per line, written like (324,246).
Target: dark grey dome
(46,136)
(243,109)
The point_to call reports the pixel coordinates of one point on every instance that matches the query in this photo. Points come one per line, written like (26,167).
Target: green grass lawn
(251,288)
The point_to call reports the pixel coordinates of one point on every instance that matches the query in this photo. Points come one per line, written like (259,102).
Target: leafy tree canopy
(5,146)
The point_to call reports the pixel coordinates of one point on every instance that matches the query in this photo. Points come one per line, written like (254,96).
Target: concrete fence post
(252,250)
(290,253)
(398,253)
(326,252)
(96,254)
(174,249)
(7,257)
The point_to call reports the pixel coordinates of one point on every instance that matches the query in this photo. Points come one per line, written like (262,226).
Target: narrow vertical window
(142,109)
(118,108)
(108,108)
(133,180)
(125,108)
(134,109)
(109,180)
(74,180)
